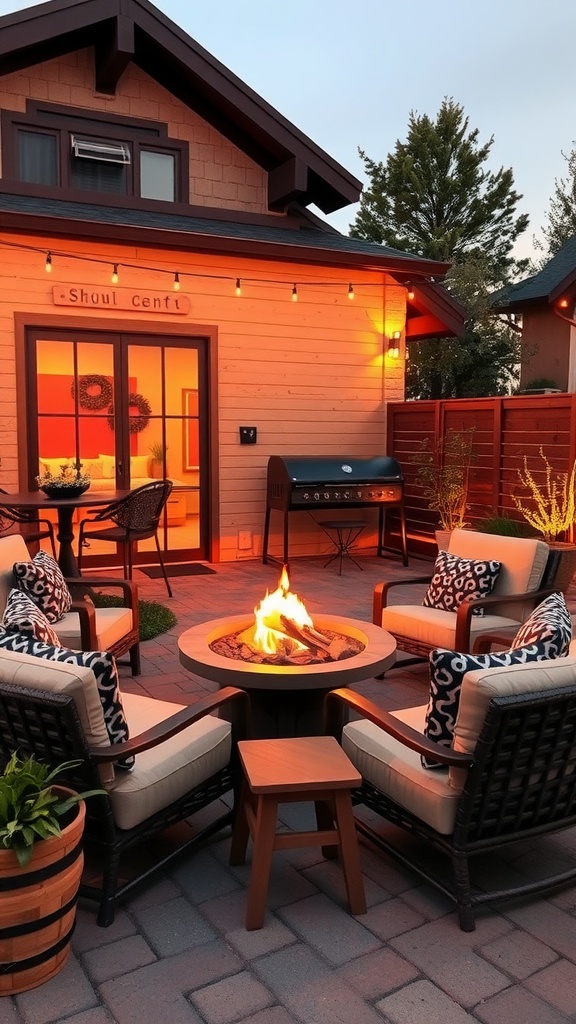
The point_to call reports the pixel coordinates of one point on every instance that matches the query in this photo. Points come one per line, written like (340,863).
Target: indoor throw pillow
(548,628)
(103,666)
(43,581)
(456,579)
(21,615)
(447,671)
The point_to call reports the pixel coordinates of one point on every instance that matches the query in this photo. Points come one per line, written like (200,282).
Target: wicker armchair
(136,517)
(185,760)
(510,776)
(418,629)
(84,627)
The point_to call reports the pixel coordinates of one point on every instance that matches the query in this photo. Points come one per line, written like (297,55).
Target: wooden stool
(347,532)
(286,771)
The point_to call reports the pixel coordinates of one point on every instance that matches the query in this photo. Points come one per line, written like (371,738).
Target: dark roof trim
(134,30)
(267,238)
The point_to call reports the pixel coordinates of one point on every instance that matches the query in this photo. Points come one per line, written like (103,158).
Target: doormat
(194,569)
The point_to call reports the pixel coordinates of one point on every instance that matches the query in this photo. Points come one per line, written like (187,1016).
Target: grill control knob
(316,496)
(326,495)
(370,494)
(337,495)
(358,494)
(306,496)
(346,494)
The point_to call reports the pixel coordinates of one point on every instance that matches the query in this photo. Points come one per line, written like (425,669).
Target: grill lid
(308,469)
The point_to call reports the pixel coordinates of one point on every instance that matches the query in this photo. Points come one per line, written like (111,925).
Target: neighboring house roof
(543,288)
(134,31)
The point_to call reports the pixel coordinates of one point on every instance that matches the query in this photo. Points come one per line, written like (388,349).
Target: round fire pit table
(286,700)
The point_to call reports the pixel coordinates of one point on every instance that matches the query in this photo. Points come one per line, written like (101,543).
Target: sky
(349,74)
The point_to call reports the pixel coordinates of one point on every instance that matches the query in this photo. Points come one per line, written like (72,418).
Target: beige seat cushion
(397,771)
(523,562)
(12,549)
(112,624)
(433,626)
(166,772)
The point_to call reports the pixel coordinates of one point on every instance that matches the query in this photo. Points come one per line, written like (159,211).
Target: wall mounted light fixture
(393,348)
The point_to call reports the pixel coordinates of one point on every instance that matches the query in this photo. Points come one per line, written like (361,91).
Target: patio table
(65,508)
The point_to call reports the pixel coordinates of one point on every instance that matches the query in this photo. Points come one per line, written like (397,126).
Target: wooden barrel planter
(38,906)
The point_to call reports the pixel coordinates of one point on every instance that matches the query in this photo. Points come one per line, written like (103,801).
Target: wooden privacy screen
(505,430)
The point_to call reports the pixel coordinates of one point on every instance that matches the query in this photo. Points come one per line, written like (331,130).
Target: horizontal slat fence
(504,431)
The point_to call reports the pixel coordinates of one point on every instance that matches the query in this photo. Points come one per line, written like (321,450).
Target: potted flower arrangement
(443,474)
(552,513)
(71,482)
(41,860)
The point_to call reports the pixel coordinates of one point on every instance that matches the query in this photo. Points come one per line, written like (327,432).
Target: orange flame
(269,632)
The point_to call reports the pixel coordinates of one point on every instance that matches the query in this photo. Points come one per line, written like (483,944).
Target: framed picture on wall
(191,428)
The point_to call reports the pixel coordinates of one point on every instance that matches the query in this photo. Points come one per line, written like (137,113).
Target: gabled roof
(299,172)
(125,31)
(543,288)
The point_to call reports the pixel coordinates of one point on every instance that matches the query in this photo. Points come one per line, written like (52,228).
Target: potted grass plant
(41,860)
(550,509)
(443,474)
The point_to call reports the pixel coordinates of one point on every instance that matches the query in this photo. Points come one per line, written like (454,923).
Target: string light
(409,291)
(563,303)
(175,275)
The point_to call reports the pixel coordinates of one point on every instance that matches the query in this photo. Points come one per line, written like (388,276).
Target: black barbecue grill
(297,483)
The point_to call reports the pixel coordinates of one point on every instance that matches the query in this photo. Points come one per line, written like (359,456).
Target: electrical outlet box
(244,540)
(248,435)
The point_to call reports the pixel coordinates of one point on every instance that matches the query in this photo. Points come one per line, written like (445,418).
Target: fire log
(314,640)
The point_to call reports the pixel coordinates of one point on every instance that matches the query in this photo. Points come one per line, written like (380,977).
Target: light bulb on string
(409,291)
(294,294)
(238,288)
(176,282)
(350,291)
(115,274)
(48,263)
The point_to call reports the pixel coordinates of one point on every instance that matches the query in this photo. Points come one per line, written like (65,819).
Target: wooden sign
(91,297)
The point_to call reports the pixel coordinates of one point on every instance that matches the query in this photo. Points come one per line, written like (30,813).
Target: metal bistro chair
(137,517)
(40,529)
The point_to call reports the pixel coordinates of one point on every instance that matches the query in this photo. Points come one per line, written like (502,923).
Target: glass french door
(127,409)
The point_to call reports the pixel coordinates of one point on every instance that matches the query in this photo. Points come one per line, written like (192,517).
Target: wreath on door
(139,422)
(94,391)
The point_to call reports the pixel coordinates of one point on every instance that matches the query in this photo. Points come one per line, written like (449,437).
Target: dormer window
(57,149)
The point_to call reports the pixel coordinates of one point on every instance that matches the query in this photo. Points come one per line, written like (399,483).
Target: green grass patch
(155,618)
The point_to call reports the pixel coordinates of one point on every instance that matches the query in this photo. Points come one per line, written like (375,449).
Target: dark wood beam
(113,54)
(287,183)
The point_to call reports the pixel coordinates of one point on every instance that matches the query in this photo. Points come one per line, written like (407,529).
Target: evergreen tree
(561,214)
(434,197)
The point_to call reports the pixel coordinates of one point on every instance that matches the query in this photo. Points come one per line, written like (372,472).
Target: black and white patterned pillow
(549,628)
(447,671)
(103,666)
(43,581)
(456,579)
(21,615)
